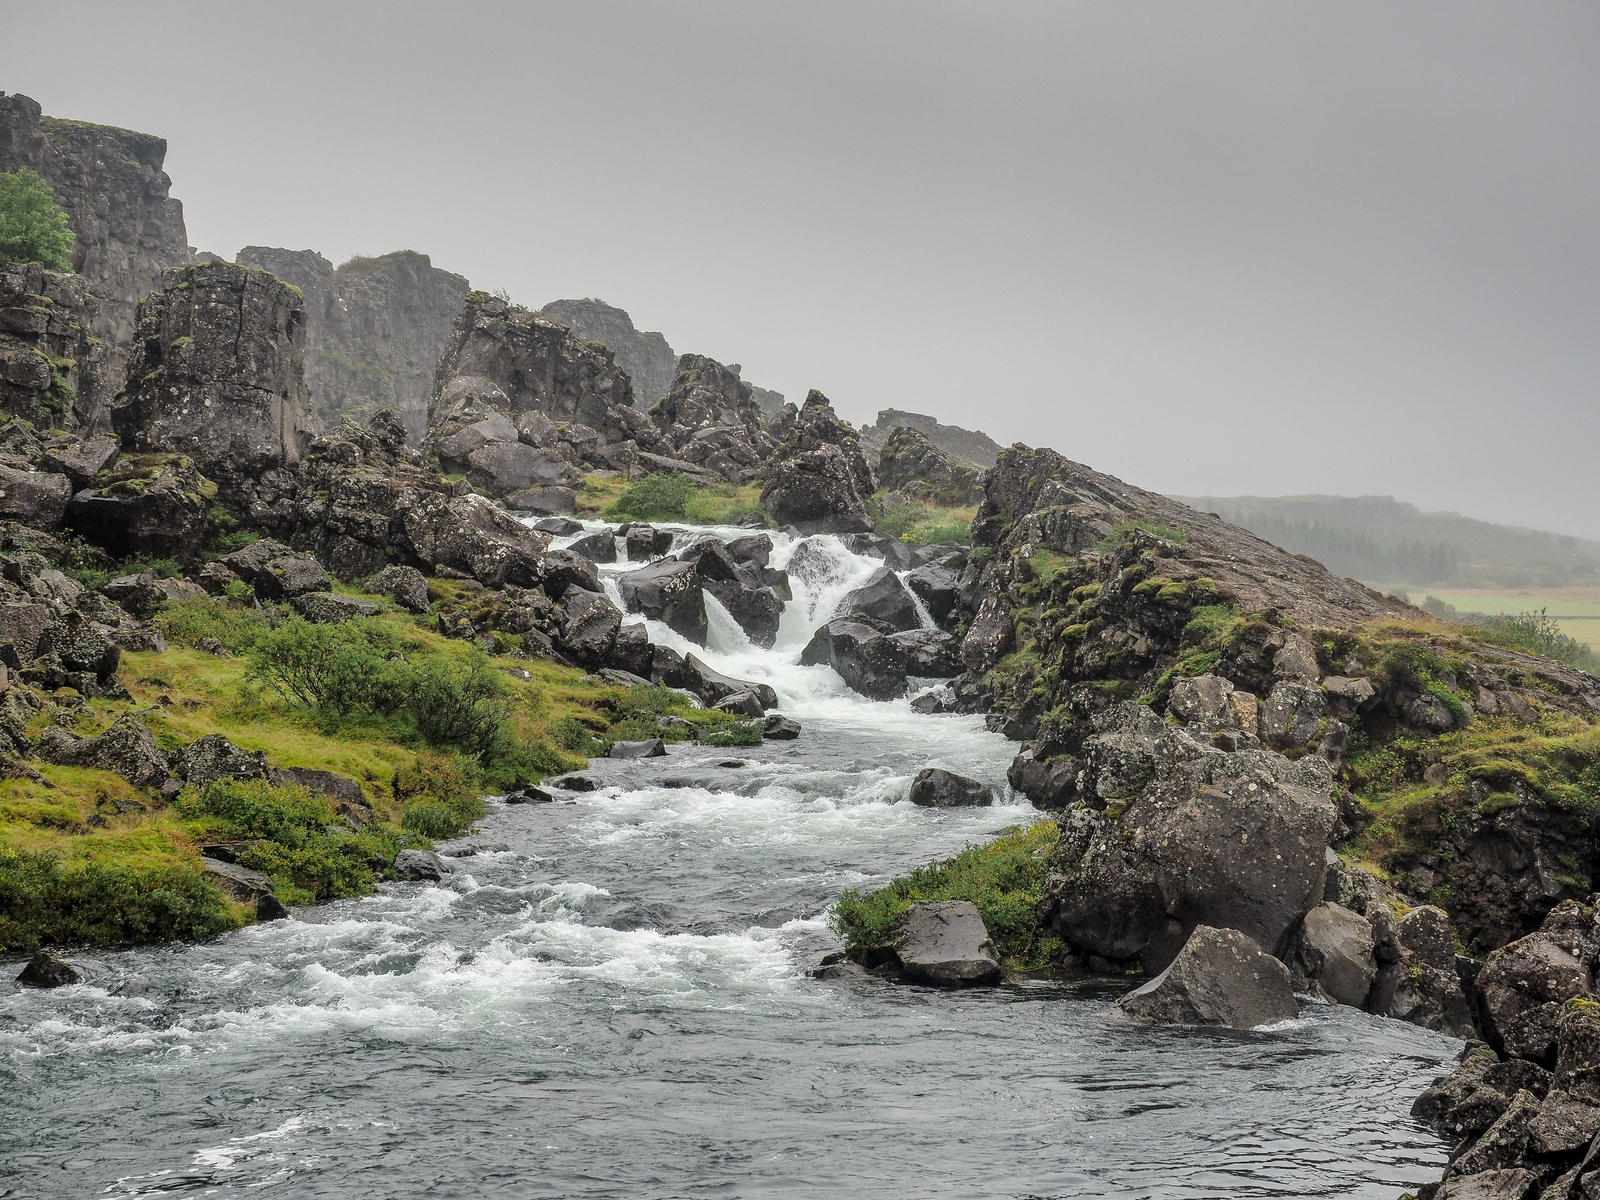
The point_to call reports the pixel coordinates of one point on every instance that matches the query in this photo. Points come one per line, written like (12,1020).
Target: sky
(1213,248)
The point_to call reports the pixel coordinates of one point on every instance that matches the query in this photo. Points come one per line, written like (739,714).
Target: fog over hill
(1379,539)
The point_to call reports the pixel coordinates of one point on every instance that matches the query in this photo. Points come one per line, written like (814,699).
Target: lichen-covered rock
(712,420)
(882,602)
(1519,977)
(934,787)
(593,623)
(126,748)
(1421,984)
(407,586)
(217,375)
(1049,781)
(818,479)
(145,505)
(45,970)
(650,362)
(1188,834)
(329,608)
(469,534)
(213,757)
(53,372)
(1219,977)
(930,653)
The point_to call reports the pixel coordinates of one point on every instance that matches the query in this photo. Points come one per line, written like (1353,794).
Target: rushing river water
(610,999)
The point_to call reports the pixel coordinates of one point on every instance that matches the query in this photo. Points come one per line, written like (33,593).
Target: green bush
(1004,878)
(462,705)
(43,902)
(1539,633)
(32,228)
(655,498)
(940,532)
(434,821)
(343,669)
(439,795)
(744,733)
(296,837)
(187,621)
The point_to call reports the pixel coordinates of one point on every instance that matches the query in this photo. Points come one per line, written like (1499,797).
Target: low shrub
(742,733)
(44,902)
(187,621)
(655,498)
(1004,878)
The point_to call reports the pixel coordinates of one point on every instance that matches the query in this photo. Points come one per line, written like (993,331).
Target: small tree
(32,228)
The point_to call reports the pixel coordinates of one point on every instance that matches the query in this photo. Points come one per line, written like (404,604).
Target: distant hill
(1381,540)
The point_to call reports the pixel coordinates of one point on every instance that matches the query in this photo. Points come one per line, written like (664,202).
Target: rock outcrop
(54,373)
(711,420)
(914,467)
(650,362)
(111,185)
(818,480)
(509,376)
(967,447)
(217,376)
(375,329)
(947,944)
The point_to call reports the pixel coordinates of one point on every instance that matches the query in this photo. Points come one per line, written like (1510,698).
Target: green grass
(1114,538)
(1004,878)
(921,524)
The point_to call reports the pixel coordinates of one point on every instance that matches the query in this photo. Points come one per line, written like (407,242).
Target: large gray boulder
(1220,977)
(930,653)
(45,970)
(946,943)
(593,623)
(406,586)
(126,748)
(669,592)
(1521,987)
(1331,953)
(470,534)
(1179,833)
(1421,984)
(214,757)
(217,374)
(882,602)
(868,661)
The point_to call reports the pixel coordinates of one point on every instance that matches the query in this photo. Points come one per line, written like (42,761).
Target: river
(610,998)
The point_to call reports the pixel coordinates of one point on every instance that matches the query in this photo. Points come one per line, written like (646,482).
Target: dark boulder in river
(1220,977)
(934,787)
(45,970)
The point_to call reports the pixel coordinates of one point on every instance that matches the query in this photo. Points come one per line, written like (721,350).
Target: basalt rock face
(912,465)
(713,421)
(548,390)
(650,362)
(110,184)
(375,329)
(53,372)
(217,375)
(1528,1104)
(818,479)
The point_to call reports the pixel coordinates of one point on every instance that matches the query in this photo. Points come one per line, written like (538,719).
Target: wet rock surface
(946,944)
(1219,977)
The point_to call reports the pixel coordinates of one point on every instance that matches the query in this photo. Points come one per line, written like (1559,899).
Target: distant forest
(1382,541)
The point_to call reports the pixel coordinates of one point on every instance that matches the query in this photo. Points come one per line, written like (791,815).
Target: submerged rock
(421,865)
(779,728)
(654,748)
(1332,954)
(1220,977)
(946,943)
(868,661)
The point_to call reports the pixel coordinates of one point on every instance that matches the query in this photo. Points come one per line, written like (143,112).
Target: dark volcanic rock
(469,534)
(1220,977)
(818,479)
(216,374)
(53,372)
(214,757)
(1332,954)
(153,505)
(593,623)
(45,970)
(649,361)
(868,661)
(126,748)
(946,943)
(1048,782)
(912,465)
(780,728)
(597,547)
(1187,834)
(668,591)
(422,865)
(654,748)
(930,653)
(712,420)
(934,787)
(882,602)
(407,586)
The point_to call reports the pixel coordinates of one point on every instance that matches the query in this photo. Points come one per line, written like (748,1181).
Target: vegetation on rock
(32,228)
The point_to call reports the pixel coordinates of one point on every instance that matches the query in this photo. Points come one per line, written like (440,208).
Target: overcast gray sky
(1212,248)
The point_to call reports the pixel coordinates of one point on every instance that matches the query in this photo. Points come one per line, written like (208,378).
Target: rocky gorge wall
(111,184)
(375,328)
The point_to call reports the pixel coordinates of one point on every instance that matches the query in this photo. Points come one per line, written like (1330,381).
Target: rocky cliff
(110,184)
(53,372)
(650,363)
(375,329)
(713,421)
(969,447)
